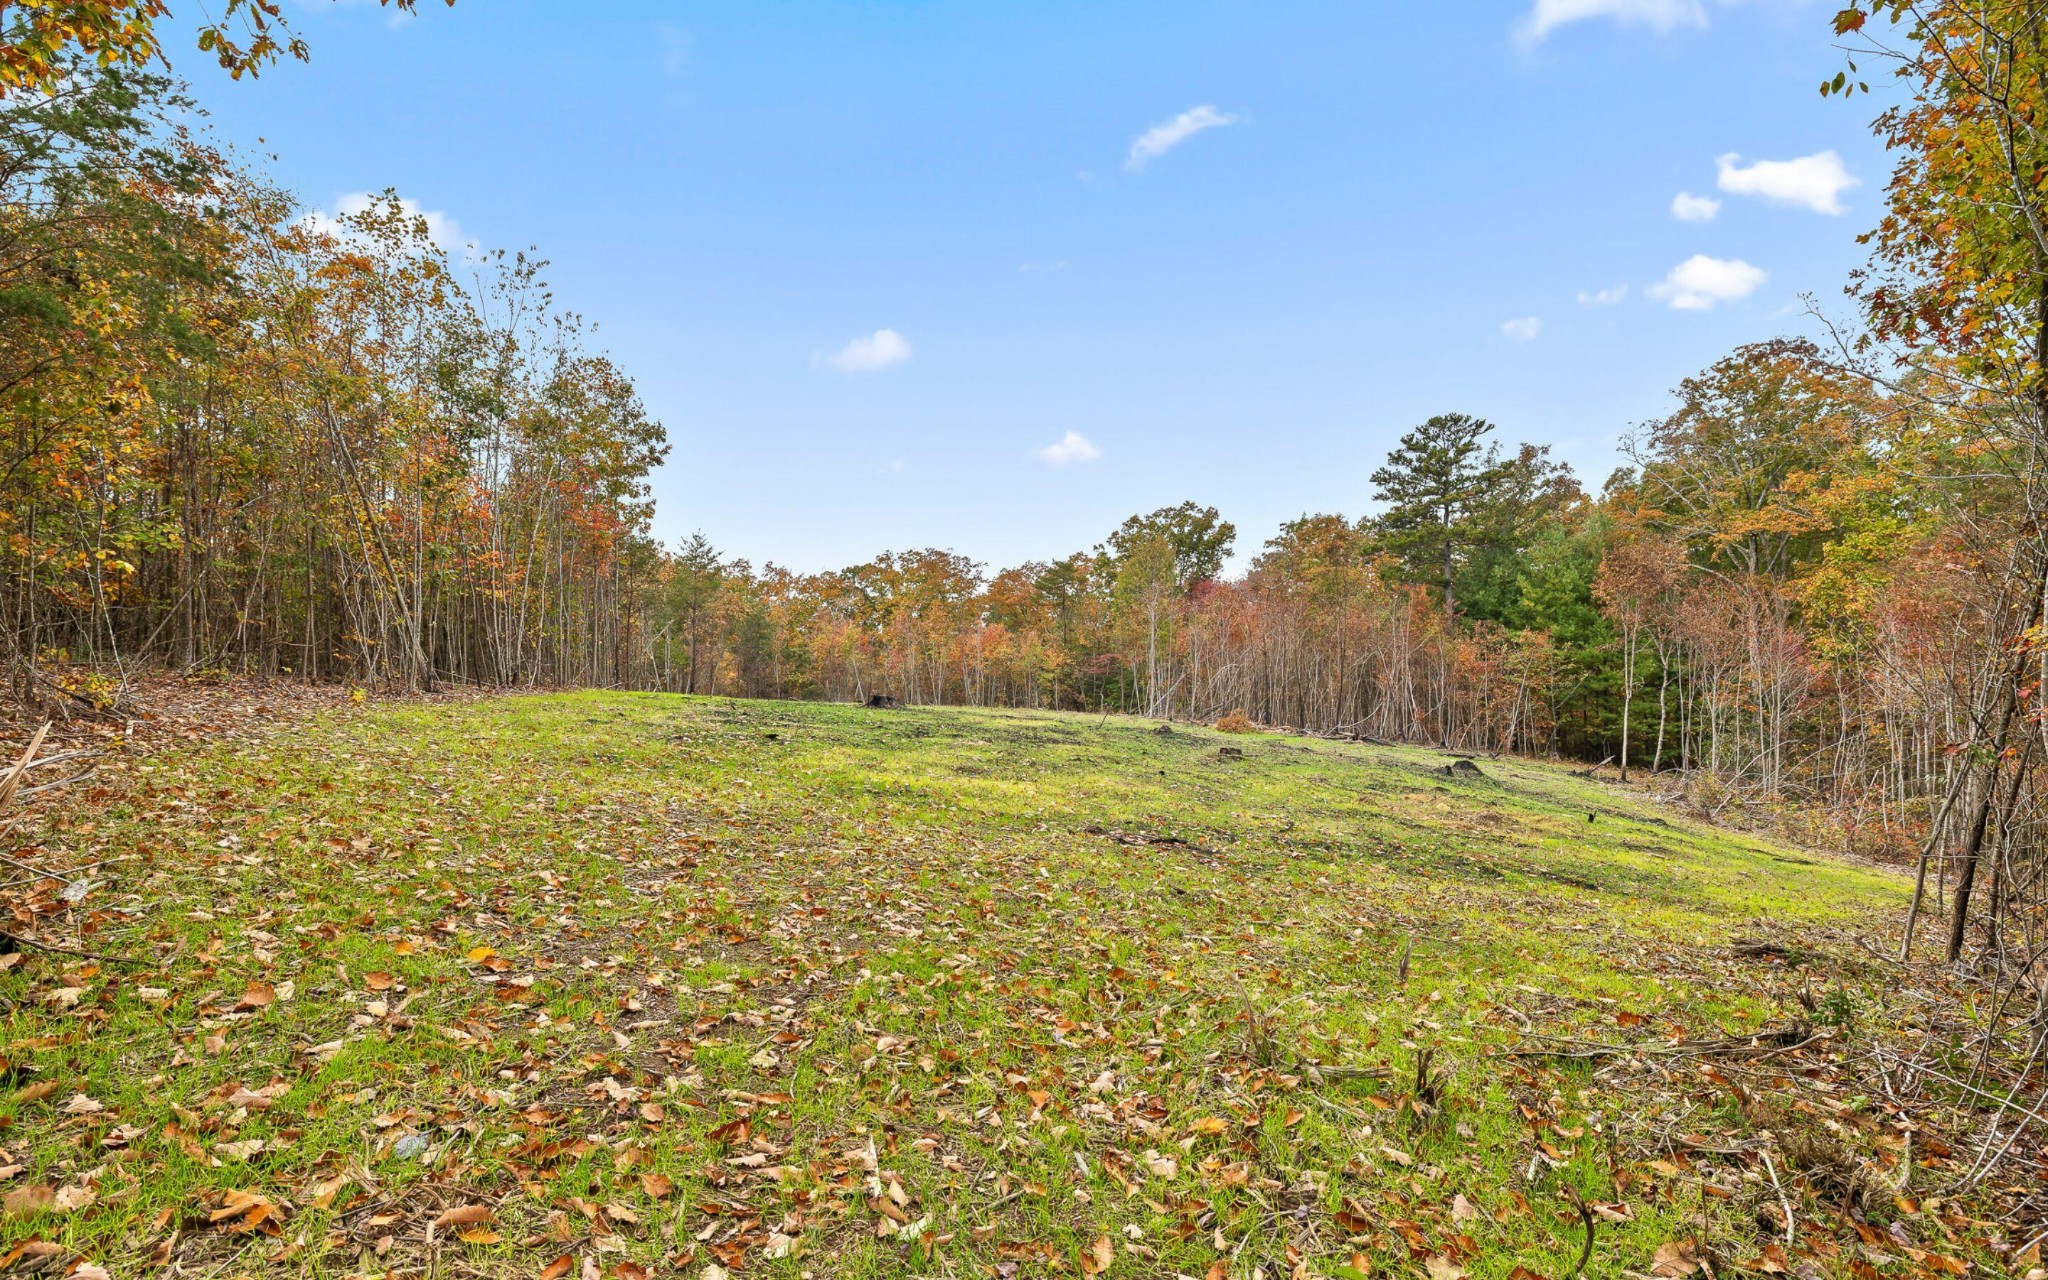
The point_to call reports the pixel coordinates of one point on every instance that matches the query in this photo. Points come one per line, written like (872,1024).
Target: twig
(1320,1072)
(1585,1216)
(12,780)
(1783,1199)
(36,871)
(1000,1201)
(67,951)
(60,758)
(1730,1047)
(41,787)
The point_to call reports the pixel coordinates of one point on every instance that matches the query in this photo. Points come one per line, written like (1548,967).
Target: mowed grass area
(635,984)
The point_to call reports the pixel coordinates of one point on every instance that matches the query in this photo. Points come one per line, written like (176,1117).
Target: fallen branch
(1585,1216)
(1783,1199)
(1143,839)
(1764,1044)
(59,784)
(38,872)
(1321,1073)
(13,941)
(12,782)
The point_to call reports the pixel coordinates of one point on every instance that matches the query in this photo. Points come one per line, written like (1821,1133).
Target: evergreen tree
(1435,484)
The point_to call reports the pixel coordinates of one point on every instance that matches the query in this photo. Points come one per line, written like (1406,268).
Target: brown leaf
(259,995)
(23,1201)
(657,1186)
(1442,1268)
(1675,1258)
(479,1235)
(560,1267)
(468,1215)
(379,981)
(1097,1259)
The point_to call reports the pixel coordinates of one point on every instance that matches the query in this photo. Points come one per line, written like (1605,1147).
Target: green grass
(859,989)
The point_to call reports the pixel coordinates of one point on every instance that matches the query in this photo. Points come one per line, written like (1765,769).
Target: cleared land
(658,985)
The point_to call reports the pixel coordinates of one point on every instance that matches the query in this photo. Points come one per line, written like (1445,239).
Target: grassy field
(618,984)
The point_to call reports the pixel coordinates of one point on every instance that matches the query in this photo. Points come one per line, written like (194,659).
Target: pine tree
(1435,485)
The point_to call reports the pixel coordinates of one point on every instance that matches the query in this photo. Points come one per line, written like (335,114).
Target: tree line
(236,436)
(1751,602)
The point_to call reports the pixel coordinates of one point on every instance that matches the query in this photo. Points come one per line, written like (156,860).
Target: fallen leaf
(259,995)
(1442,1268)
(1675,1258)
(24,1201)
(468,1215)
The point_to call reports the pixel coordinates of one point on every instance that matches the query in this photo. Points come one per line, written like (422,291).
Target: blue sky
(902,274)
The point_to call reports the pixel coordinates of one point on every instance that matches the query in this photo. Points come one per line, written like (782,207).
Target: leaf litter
(593,985)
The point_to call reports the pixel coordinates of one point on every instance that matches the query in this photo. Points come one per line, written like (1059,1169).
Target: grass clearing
(662,985)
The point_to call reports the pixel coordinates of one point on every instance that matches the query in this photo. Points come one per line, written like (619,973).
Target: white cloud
(443,230)
(1523,330)
(1687,207)
(1701,283)
(879,350)
(1813,182)
(1602,297)
(1658,15)
(1160,139)
(1072,447)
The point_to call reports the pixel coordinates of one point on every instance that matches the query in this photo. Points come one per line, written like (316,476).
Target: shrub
(1236,722)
